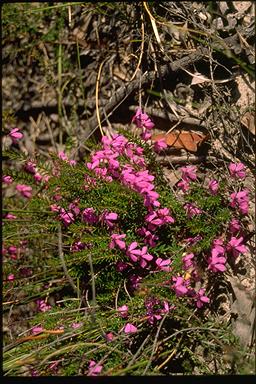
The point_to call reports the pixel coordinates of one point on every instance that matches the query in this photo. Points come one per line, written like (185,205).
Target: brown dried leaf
(248,120)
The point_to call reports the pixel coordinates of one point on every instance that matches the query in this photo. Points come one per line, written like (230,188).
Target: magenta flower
(30,167)
(25,190)
(109,218)
(189,173)
(36,330)
(163,265)
(94,369)
(121,266)
(123,310)
(109,336)
(62,156)
(236,247)
(77,246)
(192,209)
(213,186)
(130,328)
(240,200)
(193,240)
(145,135)
(201,299)
(142,120)
(149,238)
(237,170)
(7,179)
(133,252)
(134,281)
(159,145)
(10,216)
(156,308)
(74,208)
(76,325)
(144,257)
(180,286)
(188,261)
(42,306)
(15,135)
(116,241)
(234,226)
(12,249)
(217,261)
(164,214)
(66,217)
(10,277)
(89,216)
(55,208)
(183,185)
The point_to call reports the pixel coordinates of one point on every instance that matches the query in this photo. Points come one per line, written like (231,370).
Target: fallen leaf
(190,141)
(248,120)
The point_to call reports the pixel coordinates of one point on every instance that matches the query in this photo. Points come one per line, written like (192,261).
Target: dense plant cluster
(142,258)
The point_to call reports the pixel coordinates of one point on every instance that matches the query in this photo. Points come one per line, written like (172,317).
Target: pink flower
(145,135)
(183,185)
(30,167)
(192,210)
(62,156)
(144,257)
(213,186)
(15,135)
(116,241)
(237,170)
(89,216)
(12,249)
(25,190)
(193,240)
(189,173)
(234,226)
(109,336)
(149,238)
(42,306)
(240,200)
(54,366)
(36,330)
(76,325)
(159,145)
(10,277)
(130,328)
(217,261)
(201,299)
(142,120)
(10,216)
(236,247)
(123,311)
(108,218)
(38,177)
(55,208)
(7,179)
(66,217)
(74,207)
(188,261)
(163,265)
(94,369)
(133,252)
(77,246)
(180,286)
(121,266)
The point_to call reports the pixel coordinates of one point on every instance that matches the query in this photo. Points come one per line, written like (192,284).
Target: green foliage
(100,287)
